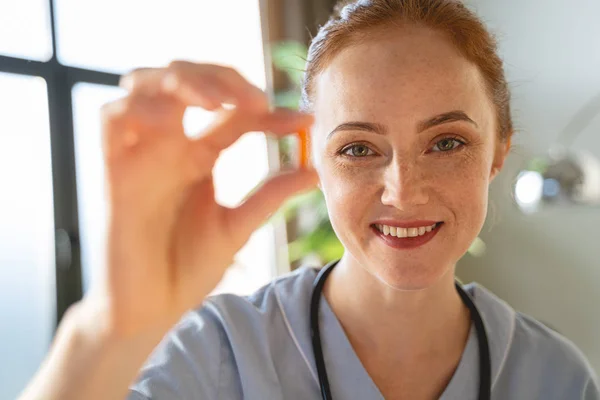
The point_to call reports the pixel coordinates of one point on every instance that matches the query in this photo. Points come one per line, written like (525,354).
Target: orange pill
(303,147)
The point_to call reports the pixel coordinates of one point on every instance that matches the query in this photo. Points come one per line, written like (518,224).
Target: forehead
(414,72)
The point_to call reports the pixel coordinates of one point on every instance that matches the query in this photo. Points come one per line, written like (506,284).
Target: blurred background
(61,60)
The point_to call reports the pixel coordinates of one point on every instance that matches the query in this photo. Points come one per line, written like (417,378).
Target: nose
(405,186)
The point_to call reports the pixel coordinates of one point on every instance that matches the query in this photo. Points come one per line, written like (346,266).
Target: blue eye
(357,150)
(447,144)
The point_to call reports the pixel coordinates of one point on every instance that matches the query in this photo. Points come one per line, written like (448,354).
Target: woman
(411,124)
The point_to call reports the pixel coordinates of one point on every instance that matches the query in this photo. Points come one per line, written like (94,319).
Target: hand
(169,242)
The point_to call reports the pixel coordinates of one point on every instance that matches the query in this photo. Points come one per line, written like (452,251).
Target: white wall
(546,265)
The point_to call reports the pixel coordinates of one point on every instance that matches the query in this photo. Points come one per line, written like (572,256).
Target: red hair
(355,20)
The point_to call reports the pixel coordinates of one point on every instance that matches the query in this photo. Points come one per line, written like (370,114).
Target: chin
(409,276)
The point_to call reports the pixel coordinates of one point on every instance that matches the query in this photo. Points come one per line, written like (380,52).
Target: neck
(431,323)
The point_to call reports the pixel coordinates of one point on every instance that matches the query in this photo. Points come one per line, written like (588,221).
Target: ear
(502,150)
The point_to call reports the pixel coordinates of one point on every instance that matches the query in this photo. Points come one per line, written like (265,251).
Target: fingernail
(126,82)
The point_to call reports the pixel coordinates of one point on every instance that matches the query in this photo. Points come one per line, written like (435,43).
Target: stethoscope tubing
(485,370)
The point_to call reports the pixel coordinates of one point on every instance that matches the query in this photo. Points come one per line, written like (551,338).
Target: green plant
(318,238)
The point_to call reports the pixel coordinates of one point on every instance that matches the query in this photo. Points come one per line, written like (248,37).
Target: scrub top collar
(293,297)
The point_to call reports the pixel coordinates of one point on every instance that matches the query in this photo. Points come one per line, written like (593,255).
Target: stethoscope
(485,369)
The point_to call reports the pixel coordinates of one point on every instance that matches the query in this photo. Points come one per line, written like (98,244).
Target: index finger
(202,85)
(224,82)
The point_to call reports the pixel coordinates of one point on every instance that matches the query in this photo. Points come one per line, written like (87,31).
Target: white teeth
(404,232)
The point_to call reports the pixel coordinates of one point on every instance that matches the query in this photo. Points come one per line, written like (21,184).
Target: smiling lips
(410,235)
(405,232)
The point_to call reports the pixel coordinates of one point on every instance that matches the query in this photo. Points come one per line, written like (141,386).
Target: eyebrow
(445,118)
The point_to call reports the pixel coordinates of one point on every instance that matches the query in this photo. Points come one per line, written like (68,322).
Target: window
(25,29)
(51,172)
(27,299)
(115,35)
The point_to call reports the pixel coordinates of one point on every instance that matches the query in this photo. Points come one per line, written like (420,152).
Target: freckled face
(424,148)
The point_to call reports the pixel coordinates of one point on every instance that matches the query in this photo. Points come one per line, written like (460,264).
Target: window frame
(60,80)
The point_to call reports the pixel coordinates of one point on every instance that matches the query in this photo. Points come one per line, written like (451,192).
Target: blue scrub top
(259,347)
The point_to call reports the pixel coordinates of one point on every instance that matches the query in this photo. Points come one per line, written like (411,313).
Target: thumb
(266,199)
